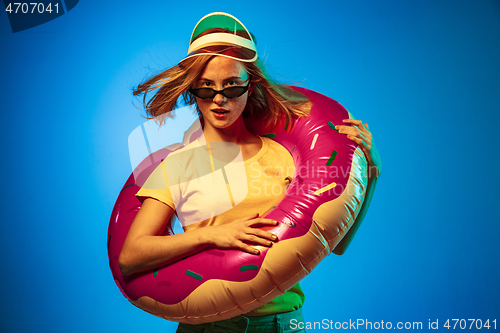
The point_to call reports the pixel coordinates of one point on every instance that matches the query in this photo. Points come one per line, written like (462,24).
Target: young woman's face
(221,112)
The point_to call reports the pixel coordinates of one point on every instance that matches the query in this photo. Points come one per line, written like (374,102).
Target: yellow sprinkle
(326,188)
(314,141)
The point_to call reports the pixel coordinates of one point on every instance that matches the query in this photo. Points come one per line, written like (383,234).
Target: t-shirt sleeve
(156,187)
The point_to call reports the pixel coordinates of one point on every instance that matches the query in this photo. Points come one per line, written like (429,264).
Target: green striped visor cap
(222,34)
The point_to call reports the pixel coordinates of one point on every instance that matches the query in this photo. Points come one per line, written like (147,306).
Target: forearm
(145,249)
(147,252)
(146,246)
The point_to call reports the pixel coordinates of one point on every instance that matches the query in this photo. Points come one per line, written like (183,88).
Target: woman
(236,103)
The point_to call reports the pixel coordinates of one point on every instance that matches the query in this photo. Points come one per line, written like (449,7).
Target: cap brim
(229,51)
(222,34)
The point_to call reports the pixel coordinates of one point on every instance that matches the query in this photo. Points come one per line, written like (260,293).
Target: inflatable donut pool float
(321,204)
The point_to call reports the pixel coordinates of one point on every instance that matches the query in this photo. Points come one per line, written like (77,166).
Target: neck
(237,133)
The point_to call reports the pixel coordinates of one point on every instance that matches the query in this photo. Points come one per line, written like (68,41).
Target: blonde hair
(269,105)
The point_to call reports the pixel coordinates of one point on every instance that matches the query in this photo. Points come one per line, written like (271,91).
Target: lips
(220,111)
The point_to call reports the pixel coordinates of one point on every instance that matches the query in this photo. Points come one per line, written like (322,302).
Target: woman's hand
(240,233)
(361,134)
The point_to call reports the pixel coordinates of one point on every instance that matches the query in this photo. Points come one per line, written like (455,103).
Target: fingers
(359,141)
(358,123)
(354,134)
(255,240)
(257,237)
(353,122)
(245,248)
(349,130)
(358,132)
(263,234)
(245,234)
(250,249)
(248,243)
(261,221)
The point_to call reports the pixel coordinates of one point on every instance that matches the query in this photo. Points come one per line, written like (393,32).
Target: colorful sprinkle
(332,157)
(326,188)
(249,268)
(269,209)
(314,141)
(270,135)
(332,126)
(194,275)
(155,273)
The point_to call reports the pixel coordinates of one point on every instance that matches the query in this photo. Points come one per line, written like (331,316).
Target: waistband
(240,324)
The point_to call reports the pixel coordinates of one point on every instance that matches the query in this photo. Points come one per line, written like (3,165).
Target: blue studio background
(423,74)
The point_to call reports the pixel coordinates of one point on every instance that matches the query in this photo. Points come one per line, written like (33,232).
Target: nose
(219,99)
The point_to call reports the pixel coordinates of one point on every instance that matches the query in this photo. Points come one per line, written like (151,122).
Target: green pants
(278,323)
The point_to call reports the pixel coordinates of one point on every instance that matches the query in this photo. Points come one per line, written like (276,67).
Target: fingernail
(275,237)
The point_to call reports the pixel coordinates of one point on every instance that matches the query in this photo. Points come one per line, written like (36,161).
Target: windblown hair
(269,104)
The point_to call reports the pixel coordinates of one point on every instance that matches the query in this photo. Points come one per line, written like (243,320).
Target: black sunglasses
(229,92)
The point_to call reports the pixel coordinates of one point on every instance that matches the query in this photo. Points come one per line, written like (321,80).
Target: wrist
(203,237)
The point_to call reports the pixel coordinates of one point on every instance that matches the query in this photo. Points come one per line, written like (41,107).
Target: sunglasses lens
(208,93)
(203,93)
(233,92)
